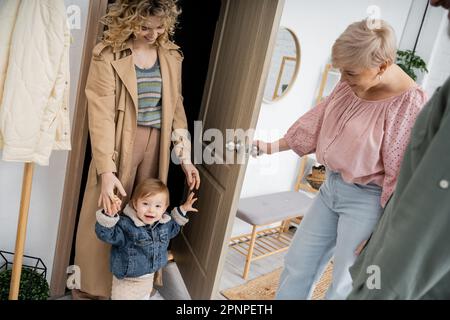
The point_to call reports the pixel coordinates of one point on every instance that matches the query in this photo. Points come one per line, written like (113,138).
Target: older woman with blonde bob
(359,132)
(135,110)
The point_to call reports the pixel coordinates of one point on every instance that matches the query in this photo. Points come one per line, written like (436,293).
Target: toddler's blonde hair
(148,188)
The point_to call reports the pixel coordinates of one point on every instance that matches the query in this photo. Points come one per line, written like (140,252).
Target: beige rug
(264,287)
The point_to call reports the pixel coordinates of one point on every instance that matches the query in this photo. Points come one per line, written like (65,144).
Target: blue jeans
(340,218)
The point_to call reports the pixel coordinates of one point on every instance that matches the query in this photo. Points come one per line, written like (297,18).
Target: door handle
(231,146)
(238,146)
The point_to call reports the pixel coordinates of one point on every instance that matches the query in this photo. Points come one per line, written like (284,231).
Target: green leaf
(410,62)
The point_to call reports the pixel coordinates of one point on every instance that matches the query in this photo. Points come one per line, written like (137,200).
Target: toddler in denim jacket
(140,237)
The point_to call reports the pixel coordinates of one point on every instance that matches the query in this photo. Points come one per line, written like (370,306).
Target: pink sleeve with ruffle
(399,123)
(302,136)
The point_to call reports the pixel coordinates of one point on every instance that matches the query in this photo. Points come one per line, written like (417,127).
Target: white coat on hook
(34,80)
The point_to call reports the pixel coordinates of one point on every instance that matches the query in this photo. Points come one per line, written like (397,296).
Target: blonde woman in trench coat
(124,153)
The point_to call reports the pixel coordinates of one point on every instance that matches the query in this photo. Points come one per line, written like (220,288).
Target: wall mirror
(284,66)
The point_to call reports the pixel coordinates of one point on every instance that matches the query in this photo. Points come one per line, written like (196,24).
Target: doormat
(265,287)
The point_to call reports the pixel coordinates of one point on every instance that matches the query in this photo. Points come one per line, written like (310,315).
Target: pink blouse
(362,140)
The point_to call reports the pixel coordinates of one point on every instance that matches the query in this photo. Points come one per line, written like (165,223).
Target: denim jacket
(137,248)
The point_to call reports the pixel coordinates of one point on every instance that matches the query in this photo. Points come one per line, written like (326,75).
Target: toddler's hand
(115,208)
(106,199)
(187,206)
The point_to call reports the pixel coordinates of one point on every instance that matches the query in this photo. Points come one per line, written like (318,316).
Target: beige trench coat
(111,91)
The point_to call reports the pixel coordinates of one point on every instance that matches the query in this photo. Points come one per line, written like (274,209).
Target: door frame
(75,162)
(74,171)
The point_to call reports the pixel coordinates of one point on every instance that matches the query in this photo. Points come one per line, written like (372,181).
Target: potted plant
(410,63)
(33,285)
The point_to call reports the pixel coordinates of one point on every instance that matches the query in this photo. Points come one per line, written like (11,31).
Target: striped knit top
(149,83)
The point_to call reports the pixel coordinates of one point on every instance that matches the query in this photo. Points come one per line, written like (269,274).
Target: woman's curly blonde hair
(125,17)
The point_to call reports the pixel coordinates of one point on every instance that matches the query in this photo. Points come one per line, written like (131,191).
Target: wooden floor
(174,288)
(234,267)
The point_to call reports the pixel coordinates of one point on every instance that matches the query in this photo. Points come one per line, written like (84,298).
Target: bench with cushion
(265,210)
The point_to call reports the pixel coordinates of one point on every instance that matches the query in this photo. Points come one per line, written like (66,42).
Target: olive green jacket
(411,245)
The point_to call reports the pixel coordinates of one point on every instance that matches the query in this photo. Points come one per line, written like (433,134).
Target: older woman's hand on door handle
(107,198)
(270,147)
(261,148)
(192,175)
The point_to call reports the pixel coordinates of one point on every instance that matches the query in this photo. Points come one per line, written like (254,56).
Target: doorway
(196,50)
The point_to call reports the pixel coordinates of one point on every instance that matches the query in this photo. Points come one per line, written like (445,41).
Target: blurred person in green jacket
(408,254)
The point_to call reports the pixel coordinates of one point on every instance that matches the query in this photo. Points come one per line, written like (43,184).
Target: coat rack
(46,17)
(21,230)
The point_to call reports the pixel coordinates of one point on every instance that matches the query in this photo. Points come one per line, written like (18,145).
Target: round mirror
(283,67)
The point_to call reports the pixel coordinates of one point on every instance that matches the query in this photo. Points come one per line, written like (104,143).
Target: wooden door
(238,68)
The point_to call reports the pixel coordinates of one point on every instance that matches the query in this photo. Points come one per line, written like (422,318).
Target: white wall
(439,64)
(317,24)
(48,182)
